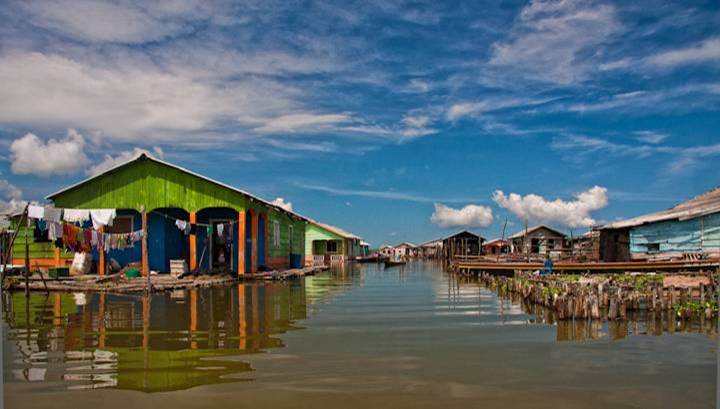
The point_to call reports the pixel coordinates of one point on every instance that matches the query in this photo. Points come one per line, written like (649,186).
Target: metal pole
(27,255)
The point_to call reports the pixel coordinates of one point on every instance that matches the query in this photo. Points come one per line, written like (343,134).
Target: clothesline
(196,223)
(99,217)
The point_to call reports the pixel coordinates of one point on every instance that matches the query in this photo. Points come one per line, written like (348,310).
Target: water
(356,337)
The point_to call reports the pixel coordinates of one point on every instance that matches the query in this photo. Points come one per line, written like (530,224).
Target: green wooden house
(325,243)
(150,192)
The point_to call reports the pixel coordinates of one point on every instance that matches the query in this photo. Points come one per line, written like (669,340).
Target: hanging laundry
(40,234)
(36,212)
(70,237)
(220,229)
(54,230)
(183,226)
(53,214)
(209,229)
(102,217)
(76,215)
(94,238)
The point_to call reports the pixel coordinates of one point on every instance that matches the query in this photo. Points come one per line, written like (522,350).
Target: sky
(398,121)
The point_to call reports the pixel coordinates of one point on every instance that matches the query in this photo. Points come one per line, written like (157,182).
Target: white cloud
(120,22)
(416,126)
(110,162)
(10,198)
(462,109)
(302,122)
(650,137)
(32,156)
(536,209)
(682,160)
(468,216)
(281,203)
(131,101)
(554,41)
(706,51)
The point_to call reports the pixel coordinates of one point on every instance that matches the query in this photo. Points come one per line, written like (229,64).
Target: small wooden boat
(393,263)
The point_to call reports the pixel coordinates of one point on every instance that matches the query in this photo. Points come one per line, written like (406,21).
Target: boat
(374,258)
(393,263)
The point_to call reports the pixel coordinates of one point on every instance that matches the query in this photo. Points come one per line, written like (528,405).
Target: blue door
(261,241)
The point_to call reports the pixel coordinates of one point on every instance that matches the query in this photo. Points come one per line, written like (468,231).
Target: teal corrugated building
(688,230)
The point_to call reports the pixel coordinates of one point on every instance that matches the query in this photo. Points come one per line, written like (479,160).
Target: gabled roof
(146,157)
(521,233)
(464,232)
(406,244)
(702,205)
(336,230)
(431,243)
(493,241)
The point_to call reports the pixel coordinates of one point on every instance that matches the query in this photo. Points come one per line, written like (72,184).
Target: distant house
(406,249)
(462,244)
(689,230)
(586,247)
(325,243)
(496,247)
(539,241)
(364,248)
(431,249)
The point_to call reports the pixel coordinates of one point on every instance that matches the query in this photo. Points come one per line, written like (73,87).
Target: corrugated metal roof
(532,229)
(145,156)
(340,232)
(704,204)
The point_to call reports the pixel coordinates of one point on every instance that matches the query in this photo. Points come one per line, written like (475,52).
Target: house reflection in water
(163,342)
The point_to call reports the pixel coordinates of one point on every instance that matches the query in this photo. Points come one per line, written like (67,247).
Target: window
(276,234)
(653,247)
(291,232)
(121,224)
(331,246)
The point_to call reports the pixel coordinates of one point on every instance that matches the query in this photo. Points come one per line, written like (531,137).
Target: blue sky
(400,121)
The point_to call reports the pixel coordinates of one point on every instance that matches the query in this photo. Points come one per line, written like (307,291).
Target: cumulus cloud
(110,162)
(468,216)
(537,209)
(553,40)
(10,198)
(31,155)
(281,203)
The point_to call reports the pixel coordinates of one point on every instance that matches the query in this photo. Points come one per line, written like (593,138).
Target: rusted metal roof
(532,229)
(702,205)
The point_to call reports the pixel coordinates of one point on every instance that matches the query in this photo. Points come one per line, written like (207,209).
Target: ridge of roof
(145,156)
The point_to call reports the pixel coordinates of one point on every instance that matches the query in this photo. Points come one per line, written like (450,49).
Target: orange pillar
(56,255)
(254,236)
(193,244)
(101,256)
(193,318)
(242,317)
(101,321)
(145,267)
(57,310)
(241,242)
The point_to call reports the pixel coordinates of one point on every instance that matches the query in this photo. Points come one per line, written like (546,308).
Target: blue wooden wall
(678,236)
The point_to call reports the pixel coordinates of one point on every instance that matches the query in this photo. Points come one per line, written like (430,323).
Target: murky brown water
(360,336)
